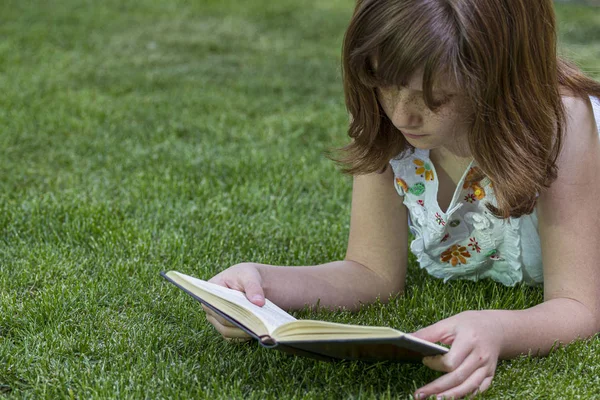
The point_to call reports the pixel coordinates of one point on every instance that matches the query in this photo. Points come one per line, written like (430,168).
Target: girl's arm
(374,266)
(569,228)
(376,257)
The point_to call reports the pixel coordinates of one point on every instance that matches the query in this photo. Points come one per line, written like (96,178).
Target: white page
(271,315)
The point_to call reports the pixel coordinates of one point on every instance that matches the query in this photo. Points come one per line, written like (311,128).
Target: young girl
(467,128)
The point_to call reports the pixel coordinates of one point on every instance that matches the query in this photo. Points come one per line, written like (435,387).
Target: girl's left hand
(476,338)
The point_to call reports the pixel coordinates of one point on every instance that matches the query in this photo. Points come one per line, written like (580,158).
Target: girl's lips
(410,135)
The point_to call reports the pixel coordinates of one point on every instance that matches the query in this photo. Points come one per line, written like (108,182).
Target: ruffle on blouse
(467,241)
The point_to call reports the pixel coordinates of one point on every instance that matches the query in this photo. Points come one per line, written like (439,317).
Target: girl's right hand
(246,278)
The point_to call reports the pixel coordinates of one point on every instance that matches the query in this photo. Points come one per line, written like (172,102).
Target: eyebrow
(433,90)
(373,67)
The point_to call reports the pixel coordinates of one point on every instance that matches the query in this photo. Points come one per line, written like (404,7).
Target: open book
(274,328)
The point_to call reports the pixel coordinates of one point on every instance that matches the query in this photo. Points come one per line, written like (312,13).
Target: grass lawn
(154,135)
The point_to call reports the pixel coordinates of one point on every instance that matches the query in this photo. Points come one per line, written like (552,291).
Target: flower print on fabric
(417,189)
(474,245)
(473,177)
(439,219)
(455,255)
(467,241)
(494,255)
(470,198)
(423,168)
(478,191)
(472,181)
(402,184)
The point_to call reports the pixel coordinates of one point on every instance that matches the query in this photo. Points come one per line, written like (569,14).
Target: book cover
(346,345)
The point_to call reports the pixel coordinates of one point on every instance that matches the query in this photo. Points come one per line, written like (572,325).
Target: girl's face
(423,128)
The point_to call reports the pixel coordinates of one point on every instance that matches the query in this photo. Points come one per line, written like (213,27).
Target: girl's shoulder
(581,141)
(582,122)
(582,113)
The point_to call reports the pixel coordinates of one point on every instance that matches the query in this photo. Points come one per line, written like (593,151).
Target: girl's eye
(442,100)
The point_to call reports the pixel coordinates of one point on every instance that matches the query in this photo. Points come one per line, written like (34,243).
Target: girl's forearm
(536,330)
(336,284)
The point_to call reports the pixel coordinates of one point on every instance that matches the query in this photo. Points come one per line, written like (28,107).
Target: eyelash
(443,101)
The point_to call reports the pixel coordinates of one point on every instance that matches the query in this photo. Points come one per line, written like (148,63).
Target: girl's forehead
(442,83)
(415,81)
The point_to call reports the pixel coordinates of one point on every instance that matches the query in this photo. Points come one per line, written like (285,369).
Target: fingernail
(257,297)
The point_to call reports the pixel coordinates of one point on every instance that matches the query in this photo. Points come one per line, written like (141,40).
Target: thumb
(438,332)
(255,293)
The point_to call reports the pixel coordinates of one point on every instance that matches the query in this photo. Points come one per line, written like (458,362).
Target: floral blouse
(467,241)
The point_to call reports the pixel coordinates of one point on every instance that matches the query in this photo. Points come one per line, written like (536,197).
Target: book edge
(243,327)
(399,339)
(416,351)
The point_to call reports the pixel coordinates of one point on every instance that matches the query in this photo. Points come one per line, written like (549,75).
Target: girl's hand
(245,278)
(476,339)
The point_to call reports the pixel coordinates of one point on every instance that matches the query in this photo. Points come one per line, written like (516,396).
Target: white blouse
(467,241)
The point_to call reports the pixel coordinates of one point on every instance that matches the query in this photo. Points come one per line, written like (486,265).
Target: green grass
(150,135)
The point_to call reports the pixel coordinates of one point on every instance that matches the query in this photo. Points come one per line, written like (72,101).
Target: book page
(270,315)
(322,330)
(353,342)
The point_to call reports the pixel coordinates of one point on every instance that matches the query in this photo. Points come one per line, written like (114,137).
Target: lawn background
(155,135)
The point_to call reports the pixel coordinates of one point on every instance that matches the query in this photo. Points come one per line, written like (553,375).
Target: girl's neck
(455,154)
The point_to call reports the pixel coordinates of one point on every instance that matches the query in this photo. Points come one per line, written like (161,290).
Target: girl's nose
(406,114)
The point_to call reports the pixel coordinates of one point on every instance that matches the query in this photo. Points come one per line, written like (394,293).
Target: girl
(467,128)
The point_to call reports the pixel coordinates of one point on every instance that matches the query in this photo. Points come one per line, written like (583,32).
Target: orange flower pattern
(455,255)
(473,177)
(472,180)
(423,168)
(478,191)
(401,183)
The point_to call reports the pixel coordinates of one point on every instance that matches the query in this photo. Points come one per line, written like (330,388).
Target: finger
(217,280)
(227,331)
(220,320)
(435,363)
(469,386)
(461,349)
(485,385)
(454,378)
(447,362)
(216,316)
(232,284)
(253,290)
(255,293)
(441,388)
(238,340)
(442,331)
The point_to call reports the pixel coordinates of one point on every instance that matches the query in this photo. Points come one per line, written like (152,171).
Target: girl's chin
(417,144)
